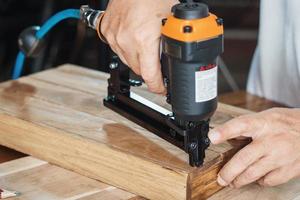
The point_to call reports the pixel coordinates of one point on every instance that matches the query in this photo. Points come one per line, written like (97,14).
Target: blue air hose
(44,29)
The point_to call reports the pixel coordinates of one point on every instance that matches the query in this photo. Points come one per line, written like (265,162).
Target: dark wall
(70,41)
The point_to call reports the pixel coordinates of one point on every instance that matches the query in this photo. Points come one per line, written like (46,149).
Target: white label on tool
(206,84)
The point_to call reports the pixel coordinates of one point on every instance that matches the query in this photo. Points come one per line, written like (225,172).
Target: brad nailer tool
(192,39)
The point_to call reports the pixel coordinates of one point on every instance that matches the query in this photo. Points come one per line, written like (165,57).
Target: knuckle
(268,182)
(239,182)
(244,121)
(244,157)
(271,162)
(231,126)
(148,78)
(251,174)
(226,176)
(154,88)
(239,123)
(236,184)
(261,183)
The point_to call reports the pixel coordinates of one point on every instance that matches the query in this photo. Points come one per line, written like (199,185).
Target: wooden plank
(22,164)
(36,179)
(93,159)
(57,116)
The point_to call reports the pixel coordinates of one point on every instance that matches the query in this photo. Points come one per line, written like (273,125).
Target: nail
(214,136)
(221,182)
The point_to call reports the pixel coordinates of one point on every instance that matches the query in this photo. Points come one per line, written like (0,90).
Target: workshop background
(72,42)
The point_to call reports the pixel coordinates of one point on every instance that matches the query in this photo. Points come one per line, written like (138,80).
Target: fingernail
(214,136)
(221,182)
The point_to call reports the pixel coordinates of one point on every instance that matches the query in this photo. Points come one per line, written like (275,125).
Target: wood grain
(36,179)
(57,115)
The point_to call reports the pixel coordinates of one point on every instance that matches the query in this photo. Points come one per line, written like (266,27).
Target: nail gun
(192,39)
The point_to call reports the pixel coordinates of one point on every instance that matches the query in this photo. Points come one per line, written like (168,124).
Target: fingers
(276,177)
(245,126)
(273,156)
(106,30)
(146,62)
(281,175)
(151,68)
(131,58)
(254,172)
(240,162)
(136,40)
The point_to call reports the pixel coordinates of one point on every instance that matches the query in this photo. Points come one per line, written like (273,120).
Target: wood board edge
(202,183)
(131,173)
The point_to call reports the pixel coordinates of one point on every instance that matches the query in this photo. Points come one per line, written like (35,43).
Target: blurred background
(72,42)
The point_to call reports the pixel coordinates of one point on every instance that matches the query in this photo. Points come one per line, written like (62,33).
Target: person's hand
(273,156)
(133,28)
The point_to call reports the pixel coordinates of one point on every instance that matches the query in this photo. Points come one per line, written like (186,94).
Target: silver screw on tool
(113,65)
(207,141)
(193,146)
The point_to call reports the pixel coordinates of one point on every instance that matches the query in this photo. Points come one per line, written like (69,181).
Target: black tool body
(192,39)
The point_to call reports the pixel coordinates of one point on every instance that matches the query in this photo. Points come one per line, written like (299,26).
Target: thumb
(244,126)
(151,69)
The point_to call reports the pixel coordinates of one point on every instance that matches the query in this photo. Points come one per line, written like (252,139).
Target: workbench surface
(45,181)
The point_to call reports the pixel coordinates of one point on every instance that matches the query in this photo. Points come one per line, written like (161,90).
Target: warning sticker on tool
(206,84)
